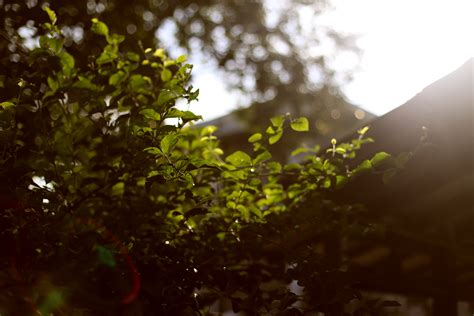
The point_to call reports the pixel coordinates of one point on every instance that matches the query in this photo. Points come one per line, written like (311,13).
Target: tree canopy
(278,53)
(112,201)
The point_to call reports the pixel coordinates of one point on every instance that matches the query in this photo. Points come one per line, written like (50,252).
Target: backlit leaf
(363,130)
(168,142)
(51,14)
(262,157)
(99,27)
(275,138)
(277,121)
(151,114)
(239,159)
(117,189)
(117,78)
(6,105)
(300,124)
(166,75)
(379,158)
(181,59)
(255,137)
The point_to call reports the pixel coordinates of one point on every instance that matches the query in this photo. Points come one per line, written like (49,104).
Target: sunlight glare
(408,44)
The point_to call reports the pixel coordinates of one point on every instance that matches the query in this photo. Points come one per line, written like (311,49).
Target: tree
(113,201)
(278,54)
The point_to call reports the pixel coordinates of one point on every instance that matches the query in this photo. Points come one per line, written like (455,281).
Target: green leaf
(243,211)
(67,63)
(151,114)
(118,189)
(53,84)
(277,121)
(51,43)
(181,59)
(262,157)
(153,150)
(208,130)
(6,104)
(292,167)
(138,82)
(365,165)
(117,78)
(133,56)
(168,142)
(109,54)
(239,159)
(341,181)
(160,53)
(299,150)
(99,27)
(270,130)
(173,112)
(52,15)
(274,166)
(379,158)
(300,124)
(255,138)
(188,116)
(166,75)
(166,96)
(218,151)
(55,111)
(115,39)
(85,83)
(363,130)
(276,137)
(168,63)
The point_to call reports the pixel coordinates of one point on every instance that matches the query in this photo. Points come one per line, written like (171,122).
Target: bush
(112,201)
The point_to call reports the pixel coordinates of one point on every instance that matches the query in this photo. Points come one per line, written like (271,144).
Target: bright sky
(407,45)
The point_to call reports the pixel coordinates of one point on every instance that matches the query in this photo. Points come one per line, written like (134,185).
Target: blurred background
(390,50)
(376,54)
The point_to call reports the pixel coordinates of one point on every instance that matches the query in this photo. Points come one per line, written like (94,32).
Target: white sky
(407,45)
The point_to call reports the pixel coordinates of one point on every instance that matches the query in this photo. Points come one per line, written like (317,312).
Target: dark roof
(428,208)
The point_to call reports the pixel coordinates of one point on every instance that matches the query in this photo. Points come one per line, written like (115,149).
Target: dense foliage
(113,202)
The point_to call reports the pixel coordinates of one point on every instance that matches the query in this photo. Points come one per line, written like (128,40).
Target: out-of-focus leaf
(255,137)
(275,137)
(300,124)
(99,27)
(168,142)
(51,14)
(151,114)
(379,158)
(117,78)
(239,159)
(277,121)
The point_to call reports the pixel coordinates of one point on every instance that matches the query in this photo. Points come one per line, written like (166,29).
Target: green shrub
(113,202)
